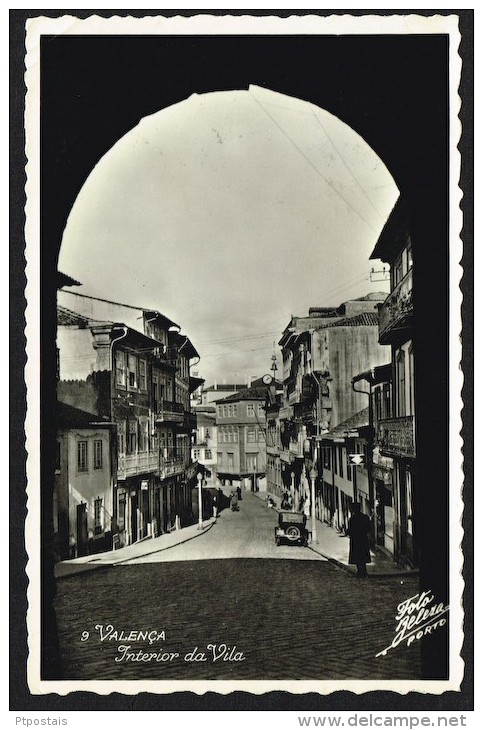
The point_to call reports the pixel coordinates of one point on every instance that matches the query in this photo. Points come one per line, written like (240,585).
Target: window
(326,456)
(120,368)
(411,380)
(143,434)
(397,271)
(132,371)
(142,375)
(57,458)
(208,454)
(196,454)
(155,391)
(250,409)
(235,435)
(261,411)
(132,443)
(409,254)
(97,454)
(261,436)
(121,437)
(230,459)
(219,411)
(121,512)
(207,433)
(235,409)
(386,393)
(230,436)
(251,462)
(98,516)
(219,458)
(401,383)
(82,456)
(251,436)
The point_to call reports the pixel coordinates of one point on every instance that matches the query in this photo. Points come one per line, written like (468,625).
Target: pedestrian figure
(215,506)
(234,501)
(239,492)
(358,532)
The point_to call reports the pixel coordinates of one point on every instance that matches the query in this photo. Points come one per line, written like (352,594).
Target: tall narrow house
(395,435)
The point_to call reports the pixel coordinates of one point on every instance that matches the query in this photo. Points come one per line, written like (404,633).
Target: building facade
(344,465)
(241,435)
(395,428)
(205,442)
(141,384)
(83,483)
(321,354)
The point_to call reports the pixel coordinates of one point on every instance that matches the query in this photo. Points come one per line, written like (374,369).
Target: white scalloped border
(236,25)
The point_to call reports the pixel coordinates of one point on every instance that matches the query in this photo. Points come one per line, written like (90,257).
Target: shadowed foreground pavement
(292,619)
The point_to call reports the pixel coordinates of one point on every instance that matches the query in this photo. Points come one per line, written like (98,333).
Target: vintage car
(291,529)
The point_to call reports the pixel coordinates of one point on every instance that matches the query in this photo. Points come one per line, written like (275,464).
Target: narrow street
(248,533)
(246,608)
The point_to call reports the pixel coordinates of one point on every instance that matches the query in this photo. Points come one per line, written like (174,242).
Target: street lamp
(313,476)
(292,489)
(199,477)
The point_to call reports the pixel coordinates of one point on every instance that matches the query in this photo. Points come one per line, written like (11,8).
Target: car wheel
(293,533)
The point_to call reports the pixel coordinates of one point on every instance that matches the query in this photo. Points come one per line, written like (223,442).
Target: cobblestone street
(294,616)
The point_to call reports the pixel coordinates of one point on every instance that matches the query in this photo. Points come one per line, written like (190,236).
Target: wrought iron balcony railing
(168,411)
(396,311)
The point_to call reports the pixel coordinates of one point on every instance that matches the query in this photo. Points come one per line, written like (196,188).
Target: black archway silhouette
(392,90)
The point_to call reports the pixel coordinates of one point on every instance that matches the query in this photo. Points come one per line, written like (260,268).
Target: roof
(183,344)
(68,317)
(65,280)
(358,420)
(258,383)
(225,386)
(373,296)
(205,419)
(70,417)
(148,311)
(393,235)
(256,393)
(364,319)
(378,374)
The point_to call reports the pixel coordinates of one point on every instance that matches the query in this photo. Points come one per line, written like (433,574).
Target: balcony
(273,450)
(395,436)
(170,467)
(285,413)
(142,462)
(304,412)
(168,412)
(397,310)
(296,448)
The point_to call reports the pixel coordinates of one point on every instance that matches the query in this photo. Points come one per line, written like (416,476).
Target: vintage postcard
(244,385)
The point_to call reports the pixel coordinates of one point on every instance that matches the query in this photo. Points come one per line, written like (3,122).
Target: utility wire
(314,167)
(345,163)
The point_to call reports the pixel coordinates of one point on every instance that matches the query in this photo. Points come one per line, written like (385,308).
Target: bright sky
(229,212)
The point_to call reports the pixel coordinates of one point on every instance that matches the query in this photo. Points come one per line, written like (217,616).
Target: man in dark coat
(358,532)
